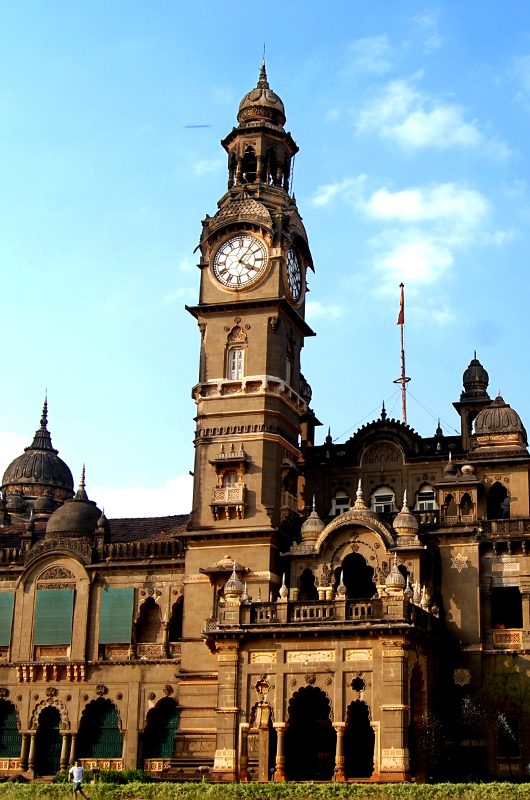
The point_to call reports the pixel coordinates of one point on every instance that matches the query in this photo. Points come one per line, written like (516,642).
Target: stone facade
(348,611)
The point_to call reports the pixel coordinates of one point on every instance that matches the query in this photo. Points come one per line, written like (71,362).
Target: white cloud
(208,165)
(316,308)
(444,201)
(349,189)
(426,25)
(11,446)
(174,497)
(184,292)
(372,54)
(411,257)
(415,120)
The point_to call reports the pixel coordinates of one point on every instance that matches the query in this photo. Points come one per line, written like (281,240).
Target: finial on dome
(329,440)
(314,506)
(81,493)
(383,412)
(263,83)
(44,416)
(359,502)
(405,506)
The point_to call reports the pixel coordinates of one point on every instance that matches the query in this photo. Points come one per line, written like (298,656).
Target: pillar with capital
(73,748)
(339,773)
(279,772)
(24,751)
(65,750)
(32,752)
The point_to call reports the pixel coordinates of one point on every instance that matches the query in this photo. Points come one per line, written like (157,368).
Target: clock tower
(251,396)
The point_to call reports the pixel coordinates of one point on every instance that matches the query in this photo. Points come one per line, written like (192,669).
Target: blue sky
(413,126)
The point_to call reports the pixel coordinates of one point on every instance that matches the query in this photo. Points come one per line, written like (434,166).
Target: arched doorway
(357,577)
(159,734)
(10,737)
(99,731)
(498,503)
(174,628)
(359,740)
(310,738)
(48,742)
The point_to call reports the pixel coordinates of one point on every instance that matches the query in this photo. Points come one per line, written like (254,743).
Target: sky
(413,126)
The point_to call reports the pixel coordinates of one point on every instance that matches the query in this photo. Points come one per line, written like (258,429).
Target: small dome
(247,210)
(39,465)
(394,579)
(450,468)
(312,527)
(467,469)
(404,521)
(44,504)
(262,104)
(498,417)
(475,380)
(76,517)
(15,502)
(234,587)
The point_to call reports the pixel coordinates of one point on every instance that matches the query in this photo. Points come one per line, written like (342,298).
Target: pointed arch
(48,741)
(149,622)
(249,165)
(174,628)
(51,702)
(358,577)
(359,741)
(162,722)
(10,736)
(310,739)
(100,733)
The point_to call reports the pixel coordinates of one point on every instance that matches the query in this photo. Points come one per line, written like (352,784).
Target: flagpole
(402,380)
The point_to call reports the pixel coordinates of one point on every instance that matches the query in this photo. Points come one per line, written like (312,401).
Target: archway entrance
(99,731)
(358,577)
(359,740)
(10,738)
(310,738)
(498,503)
(159,734)
(48,742)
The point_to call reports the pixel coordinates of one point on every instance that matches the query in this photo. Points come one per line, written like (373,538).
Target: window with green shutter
(7,601)
(115,619)
(53,616)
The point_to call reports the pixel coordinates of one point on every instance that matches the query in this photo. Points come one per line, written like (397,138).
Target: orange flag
(401,315)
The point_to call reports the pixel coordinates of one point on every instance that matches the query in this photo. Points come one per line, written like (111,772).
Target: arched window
(383,500)
(48,741)
(149,624)
(339,504)
(159,735)
(450,506)
(99,731)
(466,505)
(10,737)
(426,499)
(250,165)
(174,630)
(236,363)
(308,589)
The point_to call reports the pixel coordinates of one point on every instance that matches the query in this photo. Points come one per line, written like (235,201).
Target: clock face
(294,275)
(240,261)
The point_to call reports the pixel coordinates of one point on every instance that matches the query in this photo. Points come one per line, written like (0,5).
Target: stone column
(395,713)
(165,638)
(73,747)
(32,752)
(224,766)
(279,772)
(24,750)
(243,752)
(64,751)
(339,774)
(264,710)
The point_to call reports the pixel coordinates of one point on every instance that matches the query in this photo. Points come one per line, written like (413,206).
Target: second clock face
(240,261)
(294,275)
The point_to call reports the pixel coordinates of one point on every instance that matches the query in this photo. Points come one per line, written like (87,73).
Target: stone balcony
(325,614)
(228,498)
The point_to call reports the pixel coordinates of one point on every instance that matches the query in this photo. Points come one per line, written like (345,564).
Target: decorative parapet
(507,639)
(250,385)
(30,672)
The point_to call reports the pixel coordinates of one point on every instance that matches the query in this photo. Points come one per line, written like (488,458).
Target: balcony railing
(508,639)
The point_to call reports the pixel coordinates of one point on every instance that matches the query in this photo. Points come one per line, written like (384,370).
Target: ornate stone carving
(462,677)
(310,678)
(52,573)
(101,689)
(51,691)
(263,657)
(459,562)
(151,696)
(4,692)
(307,656)
(168,689)
(80,548)
(55,703)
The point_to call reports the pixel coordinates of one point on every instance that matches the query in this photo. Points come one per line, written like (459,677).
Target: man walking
(75,774)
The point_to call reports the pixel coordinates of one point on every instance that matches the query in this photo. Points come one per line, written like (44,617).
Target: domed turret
(76,517)
(312,527)
(499,425)
(395,580)
(406,526)
(261,104)
(475,380)
(234,587)
(39,469)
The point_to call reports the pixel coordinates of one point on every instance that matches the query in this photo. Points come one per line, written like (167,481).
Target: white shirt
(76,773)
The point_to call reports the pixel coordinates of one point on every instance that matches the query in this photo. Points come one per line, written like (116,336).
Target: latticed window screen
(10,737)
(115,619)
(53,616)
(7,600)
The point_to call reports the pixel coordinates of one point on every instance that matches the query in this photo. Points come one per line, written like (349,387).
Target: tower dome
(262,104)
(499,425)
(39,469)
(312,527)
(76,517)
(475,380)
